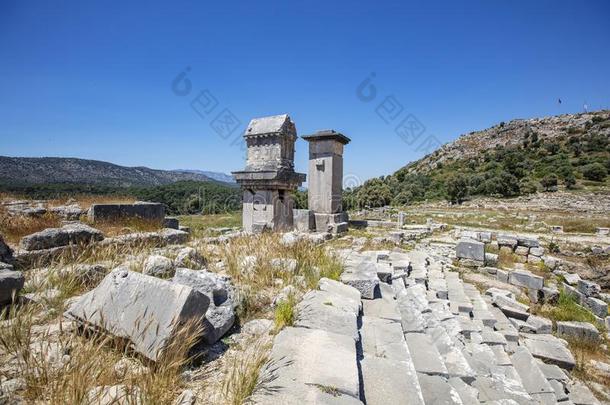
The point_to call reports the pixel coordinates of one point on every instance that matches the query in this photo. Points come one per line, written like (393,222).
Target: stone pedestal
(269,179)
(304,220)
(325,186)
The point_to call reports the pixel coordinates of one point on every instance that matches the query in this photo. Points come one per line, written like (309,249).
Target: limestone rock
(173,236)
(550,349)
(72,234)
(189,258)
(578,330)
(114,395)
(143,309)
(158,266)
(470,249)
(589,288)
(525,279)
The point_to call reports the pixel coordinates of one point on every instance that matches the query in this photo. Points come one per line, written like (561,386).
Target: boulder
(189,258)
(145,310)
(72,234)
(6,253)
(220,315)
(11,282)
(578,330)
(158,266)
(68,212)
(470,249)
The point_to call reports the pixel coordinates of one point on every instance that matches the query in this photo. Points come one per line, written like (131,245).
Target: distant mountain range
(218,176)
(46,170)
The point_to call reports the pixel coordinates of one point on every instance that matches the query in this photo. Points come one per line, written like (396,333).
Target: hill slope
(570,151)
(21,170)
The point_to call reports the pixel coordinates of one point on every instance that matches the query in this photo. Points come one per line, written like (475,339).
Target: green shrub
(595,172)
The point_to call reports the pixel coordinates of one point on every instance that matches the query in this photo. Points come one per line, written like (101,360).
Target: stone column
(325,186)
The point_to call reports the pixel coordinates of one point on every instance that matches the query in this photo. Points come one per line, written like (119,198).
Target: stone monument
(269,179)
(325,186)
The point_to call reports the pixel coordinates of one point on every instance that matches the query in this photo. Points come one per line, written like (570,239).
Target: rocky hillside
(516,133)
(21,170)
(521,157)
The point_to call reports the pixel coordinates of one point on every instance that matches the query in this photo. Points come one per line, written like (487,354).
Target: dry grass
(242,373)
(200,224)
(62,368)
(259,282)
(125,226)
(15,227)
(86,200)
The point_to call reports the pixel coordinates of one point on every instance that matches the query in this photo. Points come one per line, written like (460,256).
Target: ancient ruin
(325,183)
(269,177)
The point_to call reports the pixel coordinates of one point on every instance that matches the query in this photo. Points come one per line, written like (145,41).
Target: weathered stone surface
(174,236)
(550,349)
(532,377)
(363,277)
(502,275)
(511,308)
(597,306)
(143,309)
(571,278)
(339,288)
(72,234)
(401,386)
(220,315)
(522,250)
(171,222)
(550,295)
(528,241)
(470,249)
(526,279)
(539,324)
(577,330)
(436,390)
(580,394)
(589,288)
(537,251)
(11,282)
(303,220)
(310,366)
(158,266)
(426,358)
(147,211)
(189,258)
(507,240)
(6,253)
(491,259)
(327,311)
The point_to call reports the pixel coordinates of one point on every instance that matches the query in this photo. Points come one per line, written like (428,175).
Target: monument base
(333,223)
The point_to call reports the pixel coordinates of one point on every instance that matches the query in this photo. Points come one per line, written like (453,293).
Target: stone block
(326,222)
(589,288)
(145,310)
(339,227)
(11,282)
(577,330)
(171,222)
(550,349)
(534,259)
(485,237)
(147,211)
(304,220)
(525,279)
(426,357)
(507,240)
(577,295)
(522,250)
(219,289)
(571,278)
(539,324)
(158,266)
(310,366)
(597,306)
(327,311)
(73,234)
(491,259)
(511,308)
(362,277)
(470,249)
(550,295)
(536,251)
(502,276)
(528,241)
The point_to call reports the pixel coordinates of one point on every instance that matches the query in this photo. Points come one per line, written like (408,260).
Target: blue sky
(94,79)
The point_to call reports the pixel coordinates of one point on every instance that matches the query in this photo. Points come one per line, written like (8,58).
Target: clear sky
(96,79)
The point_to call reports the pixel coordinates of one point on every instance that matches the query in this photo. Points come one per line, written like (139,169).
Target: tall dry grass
(15,227)
(63,368)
